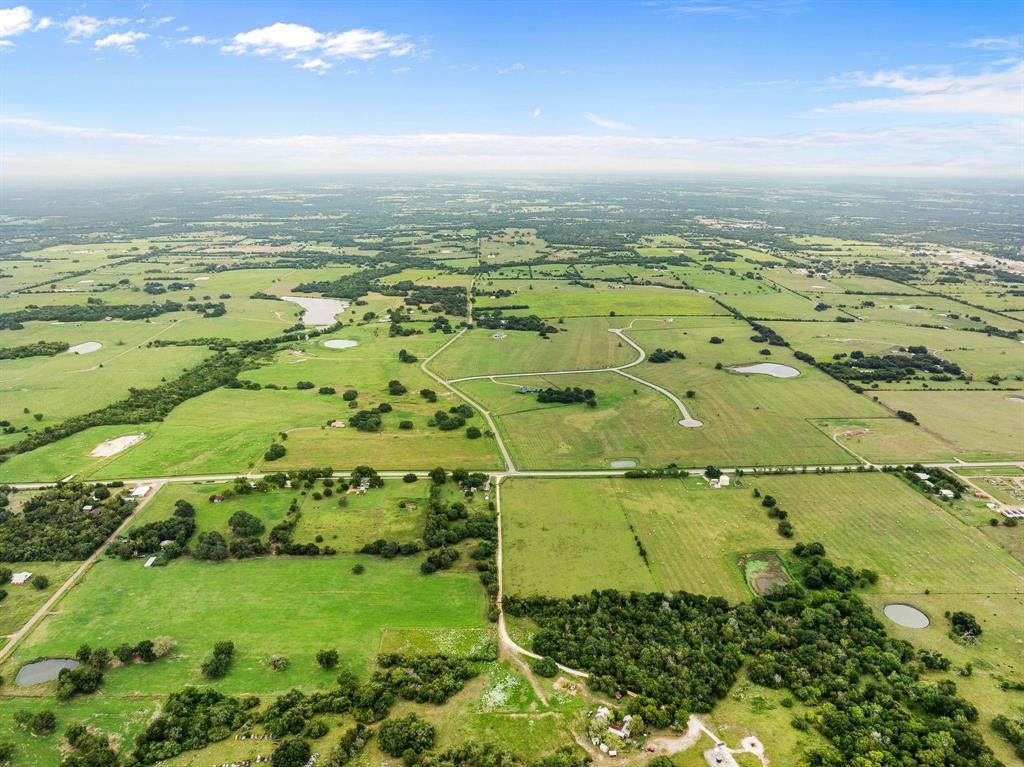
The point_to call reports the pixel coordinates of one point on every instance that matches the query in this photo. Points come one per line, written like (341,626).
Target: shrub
(293,752)
(327,659)
(544,667)
(409,478)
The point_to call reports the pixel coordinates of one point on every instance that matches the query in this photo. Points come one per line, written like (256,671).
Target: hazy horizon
(116,90)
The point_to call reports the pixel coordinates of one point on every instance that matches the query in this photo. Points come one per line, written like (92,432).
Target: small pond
(43,670)
(772,369)
(319,312)
(906,616)
(340,343)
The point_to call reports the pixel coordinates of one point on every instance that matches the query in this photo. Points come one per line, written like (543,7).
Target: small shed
(140,491)
(20,579)
(946,493)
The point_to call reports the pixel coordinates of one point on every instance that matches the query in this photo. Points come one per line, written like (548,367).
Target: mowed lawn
(292,606)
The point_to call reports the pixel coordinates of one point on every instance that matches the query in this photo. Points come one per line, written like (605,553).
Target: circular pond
(43,670)
(772,369)
(906,615)
(340,343)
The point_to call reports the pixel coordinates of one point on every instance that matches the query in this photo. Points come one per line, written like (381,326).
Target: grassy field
(287,605)
(979,425)
(580,344)
(547,298)
(68,456)
(748,420)
(564,537)
(978,354)
(22,601)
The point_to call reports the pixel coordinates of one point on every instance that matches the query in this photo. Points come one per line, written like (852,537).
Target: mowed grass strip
(291,606)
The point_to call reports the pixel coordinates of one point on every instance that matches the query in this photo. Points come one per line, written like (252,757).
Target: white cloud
(14,21)
(364,44)
(44,23)
(517,67)
(80,27)
(4,44)
(536,112)
(196,40)
(992,92)
(63,150)
(317,65)
(122,41)
(607,124)
(162,20)
(401,70)
(287,42)
(1010,43)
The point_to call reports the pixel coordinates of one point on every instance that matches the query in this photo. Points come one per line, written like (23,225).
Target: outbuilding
(20,579)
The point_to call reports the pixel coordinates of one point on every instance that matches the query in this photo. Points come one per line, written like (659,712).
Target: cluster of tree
(901,273)
(764,334)
(349,745)
(407,737)
(439,559)
(964,627)
(93,311)
(365,473)
(678,653)
(281,537)
(397,388)
(888,367)
(568,395)
(146,651)
(89,748)
(86,677)
(931,480)
(497,321)
(668,471)
(191,719)
(274,452)
(37,349)
(389,549)
(404,356)
(1012,730)
(41,722)
(168,537)
(818,572)
(424,678)
(145,405)
(450,300)
(454,419)
(53,524)
(665,355)
(218,662)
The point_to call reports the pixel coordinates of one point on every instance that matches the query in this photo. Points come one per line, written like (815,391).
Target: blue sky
(687,86)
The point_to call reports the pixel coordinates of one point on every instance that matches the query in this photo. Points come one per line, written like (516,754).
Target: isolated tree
(327,659)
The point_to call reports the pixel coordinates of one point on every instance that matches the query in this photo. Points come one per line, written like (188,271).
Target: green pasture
(581,343)
(270,605)
(978,354)
(980,425)
(552,299)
